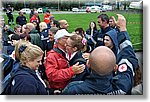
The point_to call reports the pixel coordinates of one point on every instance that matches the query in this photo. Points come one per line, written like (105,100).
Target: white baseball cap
(61,33)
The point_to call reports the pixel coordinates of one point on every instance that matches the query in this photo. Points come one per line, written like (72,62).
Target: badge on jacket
(122,68)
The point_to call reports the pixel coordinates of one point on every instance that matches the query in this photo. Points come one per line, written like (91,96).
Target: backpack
(7,82)
(7,64)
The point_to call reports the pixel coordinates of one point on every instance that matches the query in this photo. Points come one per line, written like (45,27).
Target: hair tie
(22,48)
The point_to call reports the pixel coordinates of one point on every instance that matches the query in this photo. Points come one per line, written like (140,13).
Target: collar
(72,55)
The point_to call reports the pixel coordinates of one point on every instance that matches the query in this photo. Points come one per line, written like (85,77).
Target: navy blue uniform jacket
(27,83)
(78,58)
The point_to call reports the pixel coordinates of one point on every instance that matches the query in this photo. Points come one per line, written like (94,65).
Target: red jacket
(47,18)
(57,70)
(34,18)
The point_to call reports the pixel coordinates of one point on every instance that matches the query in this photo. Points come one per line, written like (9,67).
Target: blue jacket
(78,58)
(98,37)
(27,83)
(126,50)
(121,83)
(44,39)
(113,35)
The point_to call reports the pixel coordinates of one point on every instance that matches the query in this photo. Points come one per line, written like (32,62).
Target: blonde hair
(25,51)
(42,26)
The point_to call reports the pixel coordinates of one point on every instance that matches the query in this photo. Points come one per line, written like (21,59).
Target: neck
(61,47)
(107,25)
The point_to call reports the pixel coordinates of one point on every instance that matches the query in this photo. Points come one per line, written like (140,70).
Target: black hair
(104,17)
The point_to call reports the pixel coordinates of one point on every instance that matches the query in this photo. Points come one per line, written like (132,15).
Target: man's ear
(116,67)
(74,48)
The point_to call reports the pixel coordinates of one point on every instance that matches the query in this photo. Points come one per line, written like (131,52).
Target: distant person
(9,13)
(90,32)
(51,32)
(44,35)
(112,23)
(63,24)
(14,39)
(47,16)
(21,19)
(35,17)
(37,27)
(32,12)
(35,36)
(54,23)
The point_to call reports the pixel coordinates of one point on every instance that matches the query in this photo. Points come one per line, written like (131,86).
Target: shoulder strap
(6,85)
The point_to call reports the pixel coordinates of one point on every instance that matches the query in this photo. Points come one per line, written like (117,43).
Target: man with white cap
(57,68)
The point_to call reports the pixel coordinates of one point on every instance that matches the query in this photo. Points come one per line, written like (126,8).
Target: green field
(134,23)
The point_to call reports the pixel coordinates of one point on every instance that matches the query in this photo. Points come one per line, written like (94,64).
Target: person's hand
(92,25)
(86,56)
(77,69)
(121,23)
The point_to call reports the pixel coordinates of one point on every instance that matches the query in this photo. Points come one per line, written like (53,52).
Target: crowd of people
(52,61)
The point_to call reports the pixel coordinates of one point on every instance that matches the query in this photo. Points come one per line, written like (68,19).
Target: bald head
(63,24)
(102,60)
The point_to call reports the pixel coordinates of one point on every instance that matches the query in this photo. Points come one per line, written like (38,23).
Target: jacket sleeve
(56,74)
(127,63)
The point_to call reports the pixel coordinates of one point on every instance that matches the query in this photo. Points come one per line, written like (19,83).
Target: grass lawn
(134,23)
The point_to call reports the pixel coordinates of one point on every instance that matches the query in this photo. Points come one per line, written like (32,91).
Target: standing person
(35,36)
(57,68)
(30,57)
(51,32)
(35,17)
(44,35)
(91,30)
(112,23)
(17,29)
(63,24)
(80,31)
(21,19)
(102,62)
(32,12)
(9,14)
(14,39)
(74,47)
(37,27)
(54,23)
(111,41)
(47,16)
(103,22)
